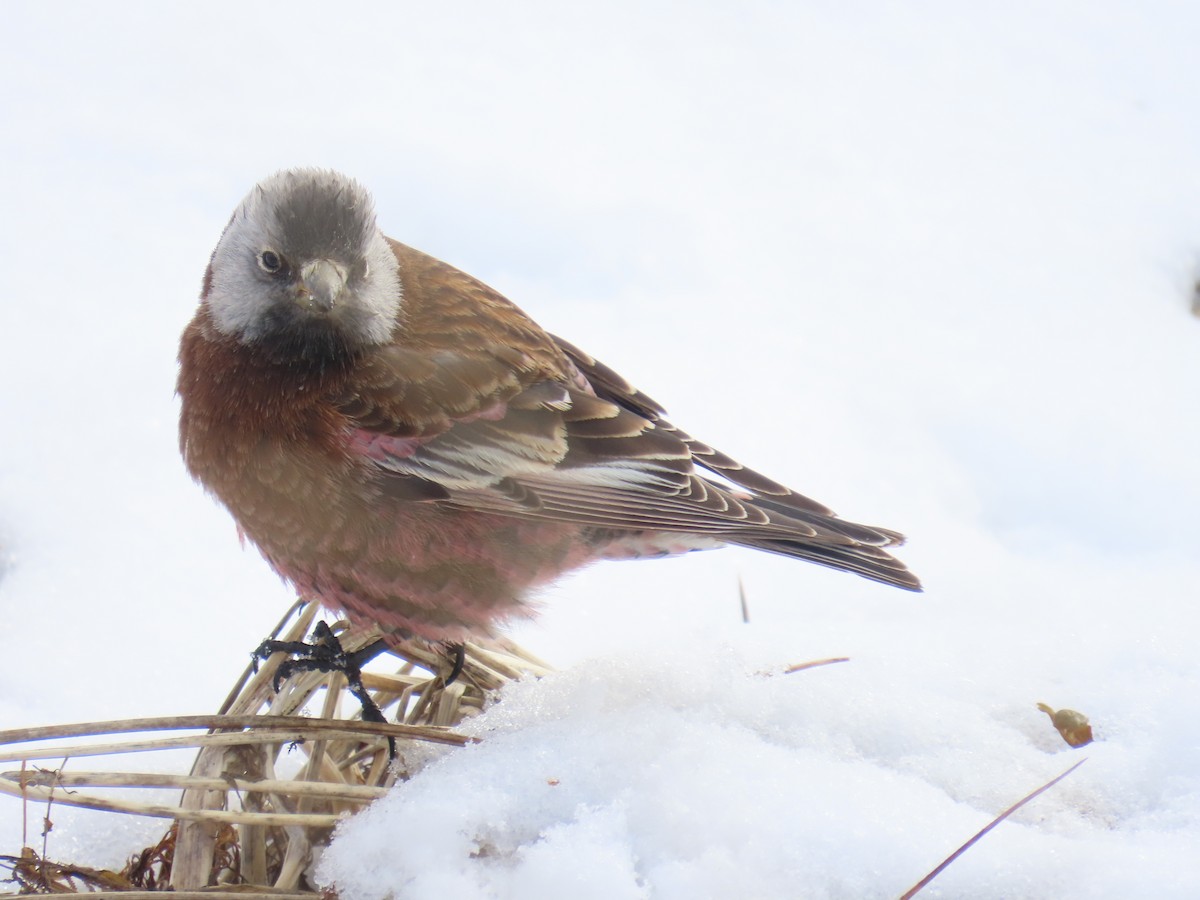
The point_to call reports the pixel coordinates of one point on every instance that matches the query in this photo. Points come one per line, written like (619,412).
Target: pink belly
(432,572)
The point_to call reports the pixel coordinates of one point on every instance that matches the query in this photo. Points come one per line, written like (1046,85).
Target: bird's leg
(326,654)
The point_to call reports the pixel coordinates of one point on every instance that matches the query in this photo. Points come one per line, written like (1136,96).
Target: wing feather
(530,425)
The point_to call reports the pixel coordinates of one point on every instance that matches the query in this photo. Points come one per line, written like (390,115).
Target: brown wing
(475,401)
(460,350)
(611,386)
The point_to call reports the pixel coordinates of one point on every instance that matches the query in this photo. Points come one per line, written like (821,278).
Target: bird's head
(303,271)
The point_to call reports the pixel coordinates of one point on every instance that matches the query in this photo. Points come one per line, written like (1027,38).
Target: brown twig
(800,667)
(996,821)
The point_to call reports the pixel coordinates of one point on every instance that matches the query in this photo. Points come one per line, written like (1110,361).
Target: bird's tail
(862,559)
(823,538)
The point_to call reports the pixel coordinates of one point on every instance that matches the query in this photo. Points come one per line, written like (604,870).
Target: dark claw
(325,654)
(459,652)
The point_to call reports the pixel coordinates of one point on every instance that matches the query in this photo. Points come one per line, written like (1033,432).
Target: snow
(747,786)
(930,265)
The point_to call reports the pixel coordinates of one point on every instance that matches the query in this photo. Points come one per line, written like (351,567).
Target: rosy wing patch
(382,447)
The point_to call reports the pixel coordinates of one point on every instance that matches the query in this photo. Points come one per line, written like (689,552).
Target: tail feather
(862,559)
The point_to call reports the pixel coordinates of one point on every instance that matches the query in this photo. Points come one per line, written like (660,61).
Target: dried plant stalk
(241,823)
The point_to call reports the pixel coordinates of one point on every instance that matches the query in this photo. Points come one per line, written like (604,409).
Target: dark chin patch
(297,338)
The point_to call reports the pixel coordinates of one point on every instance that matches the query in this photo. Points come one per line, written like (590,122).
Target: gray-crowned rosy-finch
(403,443)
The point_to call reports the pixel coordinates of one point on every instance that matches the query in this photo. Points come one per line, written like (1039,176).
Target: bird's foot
(326,654)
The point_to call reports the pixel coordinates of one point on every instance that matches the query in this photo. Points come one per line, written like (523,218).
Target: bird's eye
(270,262)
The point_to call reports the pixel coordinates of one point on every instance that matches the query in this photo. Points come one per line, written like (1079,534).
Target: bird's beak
(321,284)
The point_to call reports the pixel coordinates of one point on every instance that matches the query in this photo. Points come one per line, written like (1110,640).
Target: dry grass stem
(274,773)
(911,892)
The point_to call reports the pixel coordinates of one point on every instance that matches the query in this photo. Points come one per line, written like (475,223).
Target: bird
(407,446)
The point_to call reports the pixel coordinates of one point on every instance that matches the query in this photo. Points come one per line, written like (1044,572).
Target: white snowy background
(929,263)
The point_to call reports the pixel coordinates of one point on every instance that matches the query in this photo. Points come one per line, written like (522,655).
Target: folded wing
(484,432)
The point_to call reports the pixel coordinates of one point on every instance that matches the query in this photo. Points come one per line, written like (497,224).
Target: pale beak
(321,284)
